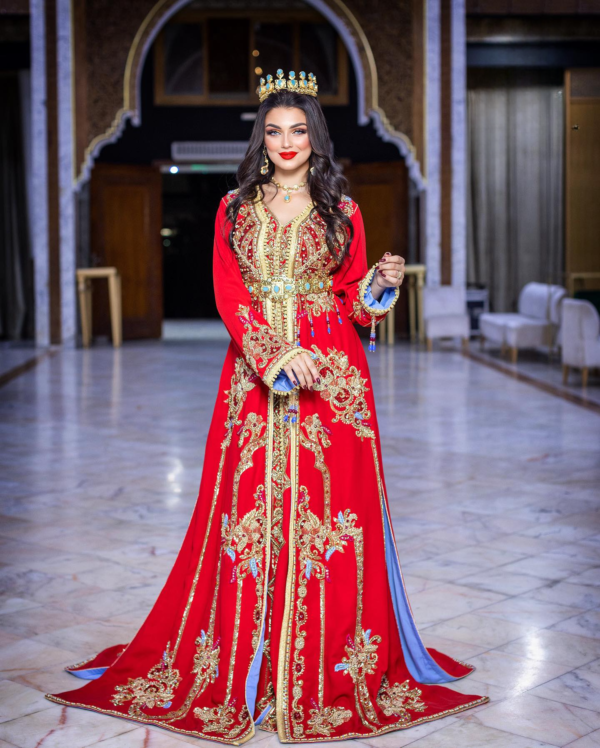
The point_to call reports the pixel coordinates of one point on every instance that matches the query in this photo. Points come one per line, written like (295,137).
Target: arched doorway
(161,119)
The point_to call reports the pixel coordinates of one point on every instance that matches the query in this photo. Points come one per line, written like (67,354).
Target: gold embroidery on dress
(242,381)
(316,544)
(248,537)
(343,387)
(259,342)
(347,206)
(253,428)
(156,690)
(360,661)
(320,303)
(221,718)
(261,345)
(245,545)
(396,700)
(279,482)
(323,720)
(269,723)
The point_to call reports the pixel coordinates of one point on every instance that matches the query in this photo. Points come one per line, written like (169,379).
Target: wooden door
(126,218)
(582,172)
(381,191)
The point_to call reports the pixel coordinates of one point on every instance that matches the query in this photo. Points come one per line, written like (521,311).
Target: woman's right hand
(302,370)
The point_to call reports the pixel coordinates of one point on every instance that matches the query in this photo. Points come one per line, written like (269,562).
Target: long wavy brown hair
(326,184)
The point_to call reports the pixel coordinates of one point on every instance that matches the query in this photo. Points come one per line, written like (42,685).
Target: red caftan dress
(285,610)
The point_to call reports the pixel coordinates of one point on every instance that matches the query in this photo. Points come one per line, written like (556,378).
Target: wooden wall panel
(125,223)
(582,171)
(532,7)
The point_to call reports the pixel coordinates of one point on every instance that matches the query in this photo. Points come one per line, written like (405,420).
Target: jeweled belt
(280,287)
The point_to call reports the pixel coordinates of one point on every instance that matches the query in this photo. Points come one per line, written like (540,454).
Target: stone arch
(340,17)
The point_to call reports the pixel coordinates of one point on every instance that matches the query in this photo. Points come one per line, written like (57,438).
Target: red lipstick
(288,154)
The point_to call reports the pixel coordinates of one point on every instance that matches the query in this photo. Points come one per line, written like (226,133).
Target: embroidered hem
(347,736)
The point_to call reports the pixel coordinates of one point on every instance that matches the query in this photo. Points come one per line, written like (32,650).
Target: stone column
(39,157)
(459,143)
(66,181)
(433,145)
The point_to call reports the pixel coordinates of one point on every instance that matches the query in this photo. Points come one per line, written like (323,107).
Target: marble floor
(16,356)
(495,495)
(544,370)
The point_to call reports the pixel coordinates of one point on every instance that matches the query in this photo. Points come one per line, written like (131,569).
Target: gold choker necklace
(287,189)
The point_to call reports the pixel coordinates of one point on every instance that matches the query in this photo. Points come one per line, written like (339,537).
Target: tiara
(303,86)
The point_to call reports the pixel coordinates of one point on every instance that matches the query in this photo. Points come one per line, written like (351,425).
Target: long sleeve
(352,281)
(263,350)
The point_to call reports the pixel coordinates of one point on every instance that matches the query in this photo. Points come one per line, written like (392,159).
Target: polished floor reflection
(494,489)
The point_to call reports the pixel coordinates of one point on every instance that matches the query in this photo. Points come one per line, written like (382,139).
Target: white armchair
(445,314)
(580,337)
(535,325)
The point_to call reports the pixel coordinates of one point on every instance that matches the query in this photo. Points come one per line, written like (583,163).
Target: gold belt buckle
(281,287)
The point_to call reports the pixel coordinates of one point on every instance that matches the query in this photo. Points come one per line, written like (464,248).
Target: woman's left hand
(390,271)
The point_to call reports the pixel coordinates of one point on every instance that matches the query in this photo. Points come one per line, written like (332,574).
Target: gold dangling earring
(312,169)
(265,167)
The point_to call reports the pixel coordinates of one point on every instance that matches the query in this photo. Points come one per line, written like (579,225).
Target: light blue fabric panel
(92,673)
(263,714)
(283,383)
(421,665)
(252,681)
(382,302)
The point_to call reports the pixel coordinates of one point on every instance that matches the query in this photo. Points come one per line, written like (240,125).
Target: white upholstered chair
(580,337)
(445,314)
(535,325)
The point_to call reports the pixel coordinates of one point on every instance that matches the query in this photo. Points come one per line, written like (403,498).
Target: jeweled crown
(304,84)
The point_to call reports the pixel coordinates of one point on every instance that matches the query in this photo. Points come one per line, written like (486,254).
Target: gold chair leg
(119,310)
(85,311)
(114,292)
(584,376)
(514,353)
(565,372)
(429,345)
(391,327)
(465,345)
(420,313)
(412,308)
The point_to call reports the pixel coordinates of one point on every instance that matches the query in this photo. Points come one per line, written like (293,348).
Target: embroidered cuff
(364,288)
(275,369)
(383,302)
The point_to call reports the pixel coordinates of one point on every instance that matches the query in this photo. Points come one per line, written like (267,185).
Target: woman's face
(286,138)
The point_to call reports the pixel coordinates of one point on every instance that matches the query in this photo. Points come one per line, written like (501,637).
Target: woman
(286,607)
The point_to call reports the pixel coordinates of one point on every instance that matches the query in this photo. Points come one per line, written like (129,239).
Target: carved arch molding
(112,40)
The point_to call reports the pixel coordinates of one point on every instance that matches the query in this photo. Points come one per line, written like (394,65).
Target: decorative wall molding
(357,43)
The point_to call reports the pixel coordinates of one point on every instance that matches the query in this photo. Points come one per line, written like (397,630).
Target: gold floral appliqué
(398,699)
(360,661)
(156,690)
(343,387)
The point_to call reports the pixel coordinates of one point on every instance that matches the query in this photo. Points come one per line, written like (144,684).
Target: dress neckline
(303,213)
